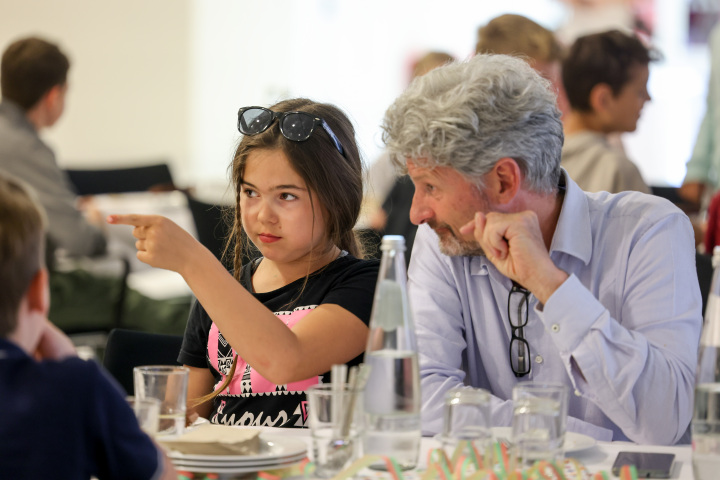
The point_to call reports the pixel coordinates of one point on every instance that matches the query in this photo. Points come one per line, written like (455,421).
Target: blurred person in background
(33,80)
(605,76)
(516,35)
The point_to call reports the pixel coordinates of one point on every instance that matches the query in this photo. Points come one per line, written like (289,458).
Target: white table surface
(597,458)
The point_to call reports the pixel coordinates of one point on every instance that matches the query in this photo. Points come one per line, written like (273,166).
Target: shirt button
(555,327)
(538,359)
(577,393)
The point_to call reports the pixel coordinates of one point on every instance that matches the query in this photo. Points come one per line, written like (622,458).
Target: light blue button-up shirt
(622,332)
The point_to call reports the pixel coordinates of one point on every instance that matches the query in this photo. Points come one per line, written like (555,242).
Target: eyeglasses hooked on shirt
(519,347)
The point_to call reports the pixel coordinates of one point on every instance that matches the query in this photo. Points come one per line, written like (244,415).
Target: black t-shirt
(250,399)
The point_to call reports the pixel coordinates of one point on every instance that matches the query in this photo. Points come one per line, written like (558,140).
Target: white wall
(164,78)
(129,88)
(354,54)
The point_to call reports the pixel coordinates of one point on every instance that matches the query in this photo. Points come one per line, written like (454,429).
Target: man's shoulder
(591,145)
(633,205)
(580,143)
(13,124)
(18,141)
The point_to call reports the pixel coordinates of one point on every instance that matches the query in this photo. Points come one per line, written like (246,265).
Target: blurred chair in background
(154,177)
(103,281)
(704,266)
(127,349)
(673,194)
(213,228)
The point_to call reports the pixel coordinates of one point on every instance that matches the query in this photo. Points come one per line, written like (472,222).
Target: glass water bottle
(392,394)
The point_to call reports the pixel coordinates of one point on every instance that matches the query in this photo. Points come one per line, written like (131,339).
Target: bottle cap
(392,242)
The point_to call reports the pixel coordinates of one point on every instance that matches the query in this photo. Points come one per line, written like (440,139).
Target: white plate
(273,448)
(237,469)
(209,465)
(239,462)
(574,442)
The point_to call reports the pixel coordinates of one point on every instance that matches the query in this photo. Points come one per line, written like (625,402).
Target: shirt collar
(573,233)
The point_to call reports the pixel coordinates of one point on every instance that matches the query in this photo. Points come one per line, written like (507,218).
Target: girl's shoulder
(348,270)
(348,263)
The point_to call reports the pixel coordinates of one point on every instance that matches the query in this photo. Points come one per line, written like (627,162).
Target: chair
(103,283)
(212,229)
(127,349)
(397,207)
(155,177)
(672,194)
(703,264)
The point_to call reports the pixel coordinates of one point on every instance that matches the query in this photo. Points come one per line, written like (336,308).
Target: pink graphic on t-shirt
(303,405)
(257,383)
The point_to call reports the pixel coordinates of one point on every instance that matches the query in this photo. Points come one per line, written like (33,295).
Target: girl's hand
(160,242)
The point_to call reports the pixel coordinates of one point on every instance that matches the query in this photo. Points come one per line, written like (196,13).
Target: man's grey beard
(452,246)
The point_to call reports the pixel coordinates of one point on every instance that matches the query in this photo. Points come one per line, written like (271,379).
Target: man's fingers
(132,219)
(468,227)
(499,244)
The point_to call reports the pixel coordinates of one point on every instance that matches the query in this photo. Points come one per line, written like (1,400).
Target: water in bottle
(392,394)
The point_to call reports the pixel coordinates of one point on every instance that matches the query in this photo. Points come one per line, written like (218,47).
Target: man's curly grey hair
(468,115)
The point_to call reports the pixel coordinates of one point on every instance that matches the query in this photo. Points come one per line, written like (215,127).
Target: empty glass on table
(538,423)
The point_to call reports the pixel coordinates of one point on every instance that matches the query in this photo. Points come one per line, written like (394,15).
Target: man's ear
(600,97)
(52,98)
(506,179)
(38,294)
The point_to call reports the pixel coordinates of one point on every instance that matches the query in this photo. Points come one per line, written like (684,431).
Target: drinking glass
(168,384)
(538,423)
(466,424)
(336,424)
(147,412)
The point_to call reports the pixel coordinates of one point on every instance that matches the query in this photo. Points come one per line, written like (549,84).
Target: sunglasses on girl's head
(295,126)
